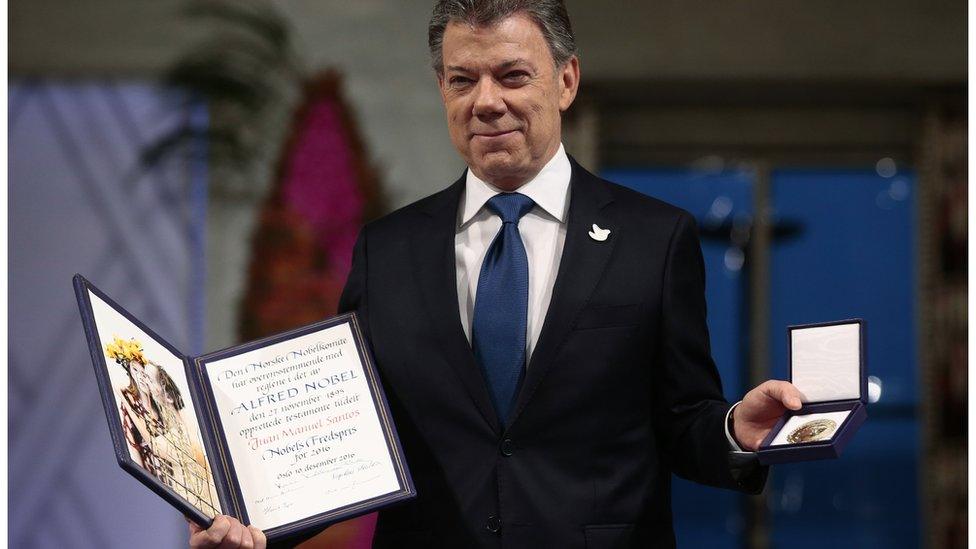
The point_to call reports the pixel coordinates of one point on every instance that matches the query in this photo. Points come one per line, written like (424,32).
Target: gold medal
(818,429)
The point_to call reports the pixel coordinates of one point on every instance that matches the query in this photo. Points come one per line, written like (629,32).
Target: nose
(488,101)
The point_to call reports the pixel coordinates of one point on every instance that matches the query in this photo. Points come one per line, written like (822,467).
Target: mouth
(493,134)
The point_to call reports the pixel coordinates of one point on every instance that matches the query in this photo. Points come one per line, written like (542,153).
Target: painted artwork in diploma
(152,398)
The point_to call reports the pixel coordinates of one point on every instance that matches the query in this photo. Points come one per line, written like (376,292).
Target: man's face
(503,95)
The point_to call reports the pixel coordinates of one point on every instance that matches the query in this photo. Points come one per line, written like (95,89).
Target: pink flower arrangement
(320,182)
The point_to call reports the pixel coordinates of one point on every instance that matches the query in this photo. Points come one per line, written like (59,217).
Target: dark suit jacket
(620,392)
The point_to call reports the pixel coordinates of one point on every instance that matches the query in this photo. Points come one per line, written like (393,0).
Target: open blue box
(827,363)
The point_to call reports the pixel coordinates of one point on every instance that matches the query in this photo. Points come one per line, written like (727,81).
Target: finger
(211,537)
(234,536)
(194,527)
(247,538)
(260,541)
(784,392)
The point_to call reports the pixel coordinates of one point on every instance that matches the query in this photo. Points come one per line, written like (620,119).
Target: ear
(569,77)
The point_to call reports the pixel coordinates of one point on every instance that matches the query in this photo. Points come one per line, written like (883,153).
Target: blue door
(852,257)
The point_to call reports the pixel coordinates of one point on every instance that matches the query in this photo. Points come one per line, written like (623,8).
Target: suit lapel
(433,250)
(580,268)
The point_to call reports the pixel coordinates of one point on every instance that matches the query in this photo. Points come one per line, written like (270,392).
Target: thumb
(784,392)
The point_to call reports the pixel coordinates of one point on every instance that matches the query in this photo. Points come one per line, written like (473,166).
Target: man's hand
(760,409)
(226,533)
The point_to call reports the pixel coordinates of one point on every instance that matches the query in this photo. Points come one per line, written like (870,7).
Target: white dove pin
(599,234)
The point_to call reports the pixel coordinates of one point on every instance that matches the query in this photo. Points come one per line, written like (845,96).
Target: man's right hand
(226,533)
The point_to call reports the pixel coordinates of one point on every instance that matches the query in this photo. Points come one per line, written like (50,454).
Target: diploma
(289,433)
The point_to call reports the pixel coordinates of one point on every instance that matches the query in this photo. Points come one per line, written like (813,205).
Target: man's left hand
(760,409)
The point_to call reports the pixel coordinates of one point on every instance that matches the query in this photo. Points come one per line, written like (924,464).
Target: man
(540,332)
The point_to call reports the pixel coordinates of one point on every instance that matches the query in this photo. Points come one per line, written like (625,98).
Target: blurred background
(208,164)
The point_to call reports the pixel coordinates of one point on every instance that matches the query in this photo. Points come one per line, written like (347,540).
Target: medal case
(827,363)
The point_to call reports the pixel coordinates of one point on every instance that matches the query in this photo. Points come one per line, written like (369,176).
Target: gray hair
(550,15)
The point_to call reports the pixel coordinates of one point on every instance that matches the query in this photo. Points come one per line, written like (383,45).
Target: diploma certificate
(303,431)
(289,433)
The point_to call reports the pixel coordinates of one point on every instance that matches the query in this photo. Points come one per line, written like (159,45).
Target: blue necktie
(501,304)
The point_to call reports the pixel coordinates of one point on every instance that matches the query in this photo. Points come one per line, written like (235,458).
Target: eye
(515,76)
(459,81)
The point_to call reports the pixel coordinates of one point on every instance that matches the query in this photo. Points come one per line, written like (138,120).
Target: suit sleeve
(353,298)
(690,409)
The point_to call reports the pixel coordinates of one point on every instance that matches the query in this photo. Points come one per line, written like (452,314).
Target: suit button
(494,524)
(508,447)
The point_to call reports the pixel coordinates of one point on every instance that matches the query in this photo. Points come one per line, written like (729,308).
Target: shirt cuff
(728,434)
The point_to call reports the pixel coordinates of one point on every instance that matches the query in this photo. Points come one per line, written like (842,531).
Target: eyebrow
(501,66)
(511,63)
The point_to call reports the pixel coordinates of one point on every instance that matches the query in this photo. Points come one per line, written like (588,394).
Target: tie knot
(510,206)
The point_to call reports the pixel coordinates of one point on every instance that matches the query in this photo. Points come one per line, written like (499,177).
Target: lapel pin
(599,234)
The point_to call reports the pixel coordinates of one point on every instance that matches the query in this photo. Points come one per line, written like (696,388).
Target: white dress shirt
(543,232)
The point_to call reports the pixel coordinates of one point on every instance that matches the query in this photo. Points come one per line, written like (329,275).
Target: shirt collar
(549,189)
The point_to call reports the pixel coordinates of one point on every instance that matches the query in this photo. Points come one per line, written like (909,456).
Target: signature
(270,504)
(349,472)
(349,468)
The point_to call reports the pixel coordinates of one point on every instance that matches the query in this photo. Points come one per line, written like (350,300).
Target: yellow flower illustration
(125,351)
(113,350)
